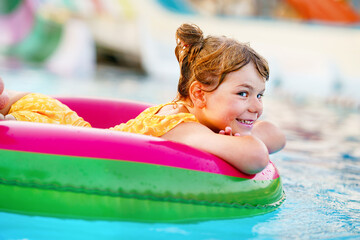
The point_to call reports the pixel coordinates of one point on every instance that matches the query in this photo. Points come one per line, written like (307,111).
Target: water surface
(320,168)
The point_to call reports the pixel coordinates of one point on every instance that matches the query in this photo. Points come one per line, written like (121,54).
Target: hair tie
(185,46)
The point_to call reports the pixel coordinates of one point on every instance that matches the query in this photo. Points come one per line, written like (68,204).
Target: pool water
(320,168)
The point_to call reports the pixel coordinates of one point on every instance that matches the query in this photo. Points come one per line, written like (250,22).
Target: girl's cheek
(260,113)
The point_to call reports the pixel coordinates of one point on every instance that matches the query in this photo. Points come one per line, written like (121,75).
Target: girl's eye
(243,94)
(259,96)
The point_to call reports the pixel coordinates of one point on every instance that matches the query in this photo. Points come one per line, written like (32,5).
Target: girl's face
(236,103)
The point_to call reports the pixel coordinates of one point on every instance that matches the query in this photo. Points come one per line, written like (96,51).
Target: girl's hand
(4,99)
(228,132)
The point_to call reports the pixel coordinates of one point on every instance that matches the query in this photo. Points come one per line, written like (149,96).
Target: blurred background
(116,48)
(125,49)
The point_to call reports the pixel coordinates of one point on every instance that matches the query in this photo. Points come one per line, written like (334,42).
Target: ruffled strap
(148,123)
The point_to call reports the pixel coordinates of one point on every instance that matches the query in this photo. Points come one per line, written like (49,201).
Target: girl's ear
(197,94)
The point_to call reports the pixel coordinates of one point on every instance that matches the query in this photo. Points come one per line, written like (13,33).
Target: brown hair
(208,60)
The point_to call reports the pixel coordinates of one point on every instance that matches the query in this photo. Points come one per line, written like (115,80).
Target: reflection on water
(320,168)
(317,130)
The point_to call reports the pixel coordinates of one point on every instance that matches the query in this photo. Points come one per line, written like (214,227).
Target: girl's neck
(185,105)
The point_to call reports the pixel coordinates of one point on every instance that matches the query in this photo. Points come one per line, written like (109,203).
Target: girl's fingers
(10,117)
(228,131)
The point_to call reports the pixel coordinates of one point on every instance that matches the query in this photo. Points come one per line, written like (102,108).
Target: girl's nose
(255,105)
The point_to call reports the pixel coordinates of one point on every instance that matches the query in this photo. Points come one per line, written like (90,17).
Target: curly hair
(208,60)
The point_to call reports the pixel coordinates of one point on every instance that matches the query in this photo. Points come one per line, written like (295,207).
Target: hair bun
(188,35)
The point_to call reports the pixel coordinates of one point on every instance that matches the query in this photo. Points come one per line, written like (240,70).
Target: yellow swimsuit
(35,107)
(148,123)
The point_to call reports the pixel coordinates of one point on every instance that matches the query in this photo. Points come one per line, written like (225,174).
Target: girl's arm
(247,153)
(270,135)
(9,98)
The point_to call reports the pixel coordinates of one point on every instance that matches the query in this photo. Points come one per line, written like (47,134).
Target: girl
(218,104)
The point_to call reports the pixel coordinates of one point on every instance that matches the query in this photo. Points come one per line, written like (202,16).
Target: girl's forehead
(246,77)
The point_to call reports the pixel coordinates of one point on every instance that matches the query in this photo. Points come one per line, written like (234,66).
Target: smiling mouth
(246,122)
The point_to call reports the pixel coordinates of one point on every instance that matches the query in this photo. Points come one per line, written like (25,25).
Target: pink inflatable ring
(74,172)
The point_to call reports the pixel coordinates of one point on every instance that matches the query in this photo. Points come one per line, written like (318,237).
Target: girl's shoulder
(157,120)
(170,108)
(168,116)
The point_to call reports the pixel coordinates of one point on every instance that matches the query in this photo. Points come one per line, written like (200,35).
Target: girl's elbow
(255,160)
(280,143)
(257,163)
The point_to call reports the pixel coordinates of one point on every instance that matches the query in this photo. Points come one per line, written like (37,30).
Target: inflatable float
(99,174)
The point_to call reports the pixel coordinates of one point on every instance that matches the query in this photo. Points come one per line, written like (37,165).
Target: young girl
(217,108)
